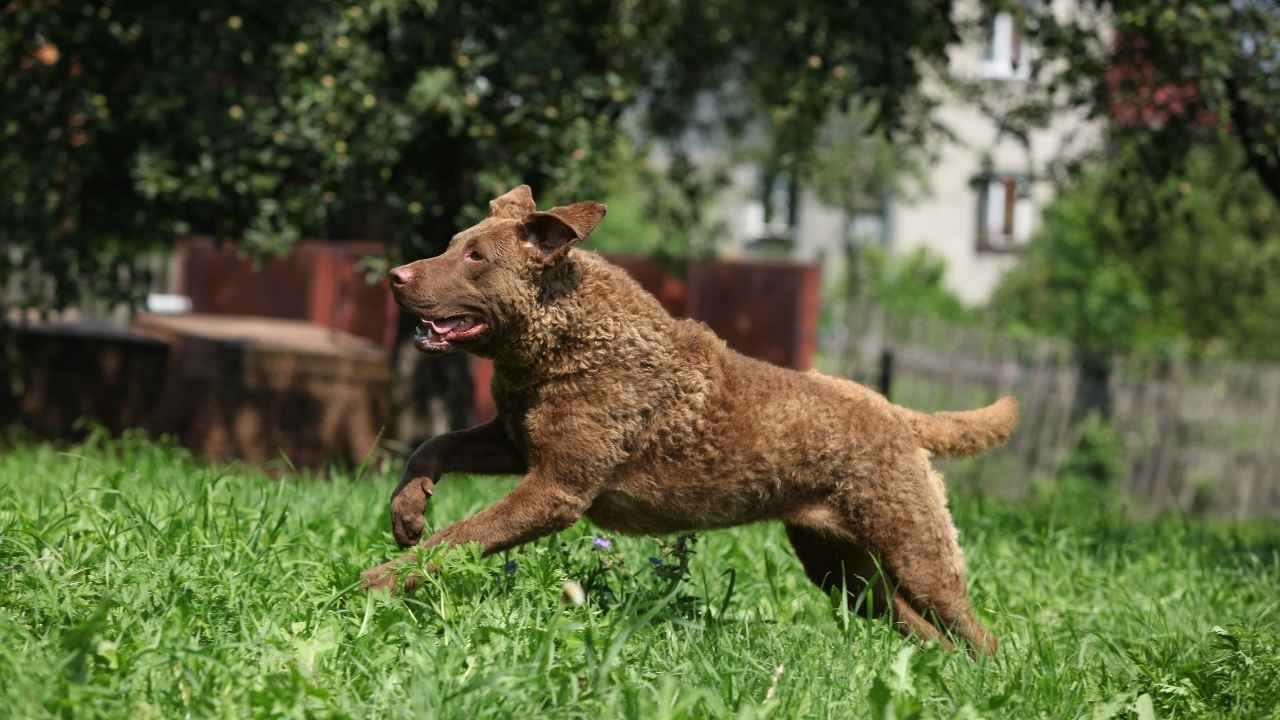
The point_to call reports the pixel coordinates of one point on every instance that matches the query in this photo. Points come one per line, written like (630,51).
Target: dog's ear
(516,203)
(553,232)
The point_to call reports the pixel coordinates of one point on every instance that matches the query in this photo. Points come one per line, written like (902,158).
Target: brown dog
(612,409)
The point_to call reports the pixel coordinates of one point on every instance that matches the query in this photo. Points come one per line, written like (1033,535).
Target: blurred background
(1073,201)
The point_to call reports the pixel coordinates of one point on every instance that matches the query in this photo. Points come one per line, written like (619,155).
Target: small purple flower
(603,543)
(511,567)
(655,561)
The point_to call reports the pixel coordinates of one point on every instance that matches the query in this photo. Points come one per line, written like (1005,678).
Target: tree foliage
(656,212)
(857,168)
(1128,262)
(907,286)
(134,122)
(127,123)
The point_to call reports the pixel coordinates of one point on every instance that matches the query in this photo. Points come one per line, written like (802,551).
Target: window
(780,201)
(1004,56)
(1005,213)
(769,219)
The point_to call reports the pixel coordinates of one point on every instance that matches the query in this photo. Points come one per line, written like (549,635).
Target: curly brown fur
(643,423)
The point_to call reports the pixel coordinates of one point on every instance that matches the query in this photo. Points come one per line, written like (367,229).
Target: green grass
(136,582)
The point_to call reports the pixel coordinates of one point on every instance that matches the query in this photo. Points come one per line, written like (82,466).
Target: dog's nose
(399,276)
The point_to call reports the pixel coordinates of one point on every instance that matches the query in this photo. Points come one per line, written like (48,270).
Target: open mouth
(442,334)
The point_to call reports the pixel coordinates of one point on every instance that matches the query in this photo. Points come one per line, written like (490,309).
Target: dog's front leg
(483,449)
(533,509)
(538,506)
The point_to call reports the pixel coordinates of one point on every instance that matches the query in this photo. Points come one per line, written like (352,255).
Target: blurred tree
(777,75)
(909,285)
(127,123)
(857,168)
(656,212)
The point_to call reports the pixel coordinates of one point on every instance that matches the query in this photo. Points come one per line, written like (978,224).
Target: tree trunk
(1093,392)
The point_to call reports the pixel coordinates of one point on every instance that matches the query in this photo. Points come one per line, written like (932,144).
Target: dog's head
(483,287)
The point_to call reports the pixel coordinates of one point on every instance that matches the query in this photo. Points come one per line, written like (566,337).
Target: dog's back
(688,346)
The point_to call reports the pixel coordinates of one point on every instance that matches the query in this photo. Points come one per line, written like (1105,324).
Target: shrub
(908,285)
(1098,456)
(1140,257)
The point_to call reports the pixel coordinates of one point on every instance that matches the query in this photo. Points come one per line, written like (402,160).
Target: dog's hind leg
(915,539)
(833,562)
(930,581)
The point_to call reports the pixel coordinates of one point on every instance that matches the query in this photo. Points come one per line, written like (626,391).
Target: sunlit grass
(137,582)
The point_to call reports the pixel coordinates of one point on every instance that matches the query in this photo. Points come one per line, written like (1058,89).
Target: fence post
(885,381)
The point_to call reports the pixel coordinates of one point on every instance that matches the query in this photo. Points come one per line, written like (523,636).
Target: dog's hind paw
(378,578)
(385,577)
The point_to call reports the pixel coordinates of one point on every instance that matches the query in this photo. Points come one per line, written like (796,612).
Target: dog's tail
(964,433)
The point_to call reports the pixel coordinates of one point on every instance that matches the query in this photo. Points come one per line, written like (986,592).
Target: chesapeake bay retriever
(613,410)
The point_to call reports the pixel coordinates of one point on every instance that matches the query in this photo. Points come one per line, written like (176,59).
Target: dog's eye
(474,256)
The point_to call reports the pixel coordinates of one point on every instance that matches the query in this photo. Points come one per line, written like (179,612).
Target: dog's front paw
(407,527)
(407,508)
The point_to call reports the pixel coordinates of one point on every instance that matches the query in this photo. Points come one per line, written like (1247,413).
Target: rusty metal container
(263,389)
(318,282)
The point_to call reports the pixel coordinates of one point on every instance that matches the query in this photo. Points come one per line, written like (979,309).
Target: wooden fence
(1204,438)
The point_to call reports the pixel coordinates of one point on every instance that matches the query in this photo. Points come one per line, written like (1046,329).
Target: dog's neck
(574,325)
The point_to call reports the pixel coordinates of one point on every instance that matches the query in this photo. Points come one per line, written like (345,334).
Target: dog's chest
(660,499)
(624,512)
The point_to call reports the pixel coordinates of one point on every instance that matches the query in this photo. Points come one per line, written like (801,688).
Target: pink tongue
(446,326)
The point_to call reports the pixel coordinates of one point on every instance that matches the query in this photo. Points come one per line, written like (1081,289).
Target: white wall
(945,219)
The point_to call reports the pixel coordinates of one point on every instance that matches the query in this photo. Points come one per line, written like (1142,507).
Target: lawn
(138,582)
